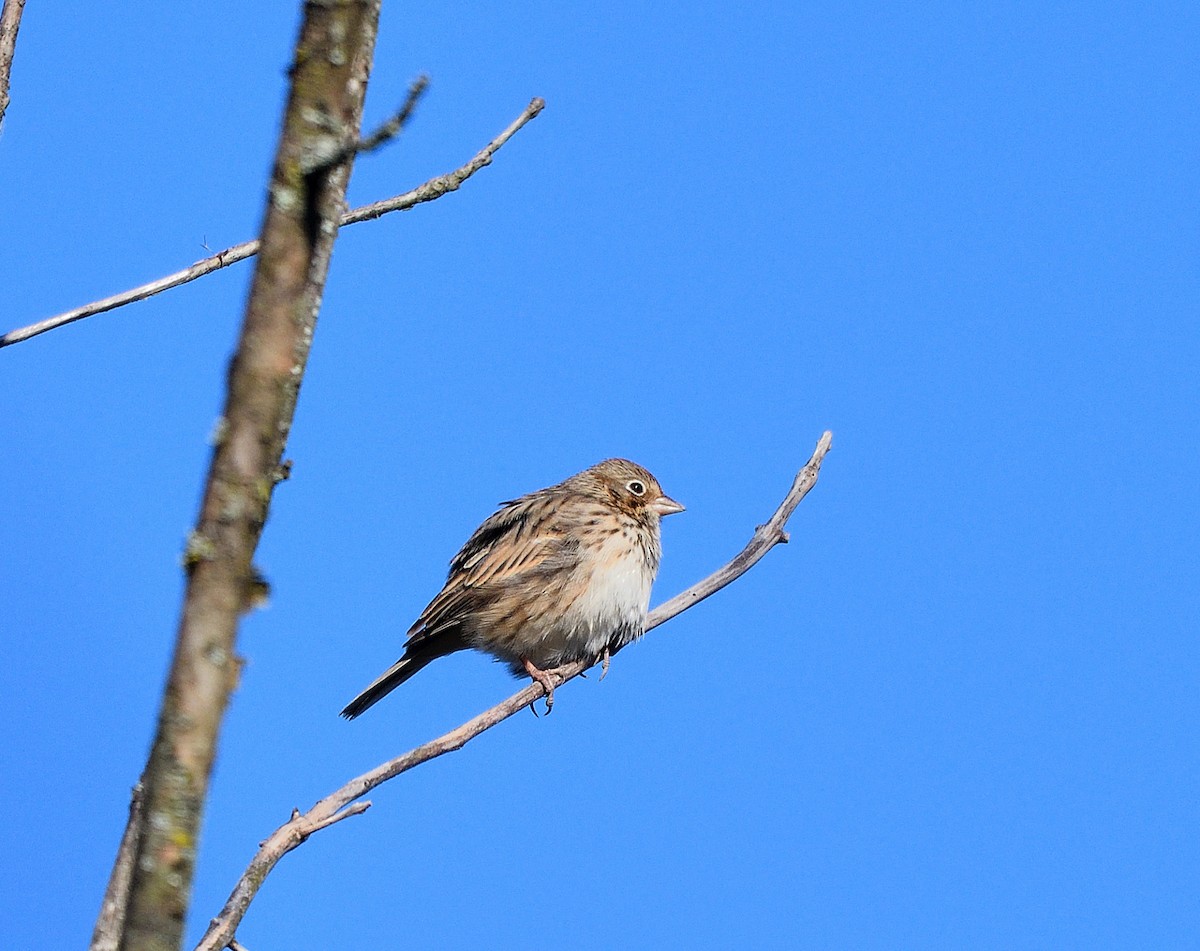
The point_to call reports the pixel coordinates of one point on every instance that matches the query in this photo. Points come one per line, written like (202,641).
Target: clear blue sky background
(960,710)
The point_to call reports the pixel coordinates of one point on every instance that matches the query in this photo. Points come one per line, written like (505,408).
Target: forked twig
(434,188)
(341,803)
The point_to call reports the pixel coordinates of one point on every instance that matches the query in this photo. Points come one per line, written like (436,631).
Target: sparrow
(556,576)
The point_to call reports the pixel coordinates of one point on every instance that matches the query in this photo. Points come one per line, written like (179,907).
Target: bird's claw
(543,677)
(605,660)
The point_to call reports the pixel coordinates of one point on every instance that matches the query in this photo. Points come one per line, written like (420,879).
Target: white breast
(616,599)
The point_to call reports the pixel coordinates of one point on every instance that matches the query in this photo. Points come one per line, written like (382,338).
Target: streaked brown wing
(514,542)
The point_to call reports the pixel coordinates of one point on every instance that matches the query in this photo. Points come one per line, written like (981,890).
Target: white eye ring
(636,487)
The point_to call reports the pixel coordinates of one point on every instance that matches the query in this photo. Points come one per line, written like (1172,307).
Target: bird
(556,576)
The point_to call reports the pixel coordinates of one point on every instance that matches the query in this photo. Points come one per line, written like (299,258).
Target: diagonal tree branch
(10,23)
(432,189)
(305,201)
(111,923)
(341,804)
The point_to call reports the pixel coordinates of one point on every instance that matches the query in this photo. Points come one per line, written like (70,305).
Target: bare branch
(239,252)
(390,129)
(437,187)
(111,923)
(332,64)
(434,188)
(765,538)
(341,803)
(10,23)
(357,145)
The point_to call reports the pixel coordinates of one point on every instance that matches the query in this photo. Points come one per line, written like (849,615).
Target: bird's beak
(665,505)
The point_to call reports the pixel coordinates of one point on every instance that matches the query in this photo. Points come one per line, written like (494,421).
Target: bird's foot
(605,660)
(543,677)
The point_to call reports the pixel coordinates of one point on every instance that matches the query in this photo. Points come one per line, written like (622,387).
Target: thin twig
(111,923)
(434,188)
(385,133)
(437,187)
(766,537)
(390,129)
(341,804)
(10,23)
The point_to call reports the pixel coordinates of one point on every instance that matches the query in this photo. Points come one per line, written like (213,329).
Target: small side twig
(385,133)
(390,129)
(341,804)
(432,189)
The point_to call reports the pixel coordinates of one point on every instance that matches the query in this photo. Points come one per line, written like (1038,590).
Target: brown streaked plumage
(556,576)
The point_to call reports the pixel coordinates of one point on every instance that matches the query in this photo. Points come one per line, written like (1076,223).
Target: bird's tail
(388,681)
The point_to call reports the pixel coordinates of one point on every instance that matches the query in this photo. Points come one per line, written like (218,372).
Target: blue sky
(959,710)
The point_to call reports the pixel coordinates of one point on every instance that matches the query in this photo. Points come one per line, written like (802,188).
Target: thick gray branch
(332,63)
(341,803)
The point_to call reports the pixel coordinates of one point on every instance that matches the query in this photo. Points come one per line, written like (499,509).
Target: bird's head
(629,487)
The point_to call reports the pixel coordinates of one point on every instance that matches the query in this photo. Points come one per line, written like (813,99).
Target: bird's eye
(637,488)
